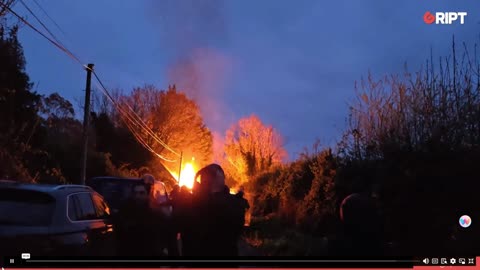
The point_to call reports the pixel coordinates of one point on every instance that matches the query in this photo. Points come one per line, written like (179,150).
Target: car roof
(100,178)
(118,180)
(43,187)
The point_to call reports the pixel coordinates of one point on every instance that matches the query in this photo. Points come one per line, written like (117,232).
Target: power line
(7,3)
(41,23)
(138,121)
(59,46)
(129,117)
(48,16)
(145,144)
(130,120)
(52,20)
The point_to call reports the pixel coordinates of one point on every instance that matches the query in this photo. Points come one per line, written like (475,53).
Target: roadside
(245,249)
(270,237)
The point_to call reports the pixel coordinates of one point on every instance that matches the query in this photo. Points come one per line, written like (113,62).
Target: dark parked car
(56,220)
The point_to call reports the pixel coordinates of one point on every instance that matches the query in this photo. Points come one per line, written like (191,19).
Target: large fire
(187,176)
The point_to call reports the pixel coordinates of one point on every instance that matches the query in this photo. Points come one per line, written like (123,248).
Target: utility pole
(86,121)
(180,169)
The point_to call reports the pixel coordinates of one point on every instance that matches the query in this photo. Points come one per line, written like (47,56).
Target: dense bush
(301,193)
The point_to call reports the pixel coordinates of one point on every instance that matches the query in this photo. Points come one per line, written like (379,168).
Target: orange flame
(187,176)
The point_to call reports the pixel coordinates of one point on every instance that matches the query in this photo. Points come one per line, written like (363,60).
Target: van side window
(101,207)
(81,207)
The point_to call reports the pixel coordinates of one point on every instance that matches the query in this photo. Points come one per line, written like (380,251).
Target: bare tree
(251,148)
(4,5)
(433,106)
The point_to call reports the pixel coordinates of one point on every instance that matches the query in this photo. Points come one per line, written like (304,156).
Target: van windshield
(114,190)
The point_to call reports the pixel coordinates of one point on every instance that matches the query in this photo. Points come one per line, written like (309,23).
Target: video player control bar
(450,261)
(42,262)
(315,262)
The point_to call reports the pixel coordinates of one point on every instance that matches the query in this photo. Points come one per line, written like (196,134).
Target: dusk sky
(293,63)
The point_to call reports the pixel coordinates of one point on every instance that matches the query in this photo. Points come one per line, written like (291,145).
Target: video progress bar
(223,261)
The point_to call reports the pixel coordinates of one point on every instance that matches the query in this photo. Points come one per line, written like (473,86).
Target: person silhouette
(135,227)
(361,233)
(215,219)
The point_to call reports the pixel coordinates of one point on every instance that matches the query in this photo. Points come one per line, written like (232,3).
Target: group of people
(205,221)
(208,221)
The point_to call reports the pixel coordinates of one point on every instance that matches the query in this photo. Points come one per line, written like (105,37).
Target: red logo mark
(428,17)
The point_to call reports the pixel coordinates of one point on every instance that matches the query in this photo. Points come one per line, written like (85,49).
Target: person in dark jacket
(136,225)
(166,238)
(362,225)
(226,189)
(243,202)
(174,193)
(214,221)
(241,196)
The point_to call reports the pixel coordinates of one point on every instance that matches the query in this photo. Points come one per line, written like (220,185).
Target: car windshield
(114,191)
(25,208)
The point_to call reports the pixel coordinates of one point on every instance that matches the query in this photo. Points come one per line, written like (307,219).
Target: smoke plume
(193,33)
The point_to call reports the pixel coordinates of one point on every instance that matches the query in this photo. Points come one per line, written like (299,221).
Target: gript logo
(444,17)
